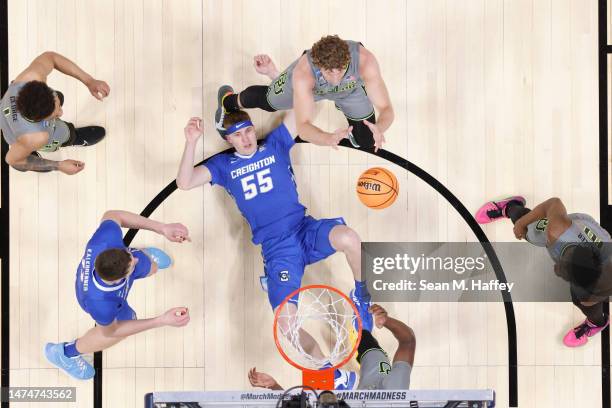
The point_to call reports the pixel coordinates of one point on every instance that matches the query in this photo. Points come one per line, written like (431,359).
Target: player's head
(240,132)
(36,101)
(114,264)
(580,265)
(331,55)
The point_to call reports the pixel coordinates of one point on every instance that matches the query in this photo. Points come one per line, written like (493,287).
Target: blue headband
(237,126)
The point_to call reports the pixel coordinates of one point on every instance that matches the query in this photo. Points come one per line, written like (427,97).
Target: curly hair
(330,52)
(112,264)
(35,101)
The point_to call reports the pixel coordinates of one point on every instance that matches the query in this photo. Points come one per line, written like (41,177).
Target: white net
(322,317)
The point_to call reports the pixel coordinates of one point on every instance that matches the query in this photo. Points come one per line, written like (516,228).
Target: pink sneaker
(494,210)
(580,334)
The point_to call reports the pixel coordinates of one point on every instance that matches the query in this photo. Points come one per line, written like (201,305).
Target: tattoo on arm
(38,164)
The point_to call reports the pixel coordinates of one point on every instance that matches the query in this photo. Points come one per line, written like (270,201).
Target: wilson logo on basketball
(377,188)
(366,185)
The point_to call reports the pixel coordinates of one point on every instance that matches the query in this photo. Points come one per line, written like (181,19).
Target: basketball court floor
(491,97)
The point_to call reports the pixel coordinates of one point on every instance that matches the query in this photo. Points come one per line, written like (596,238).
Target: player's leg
(306,341)
(357,107)
(324,237)
(511,207)
(269,98)
(84,136)
(284,269)
(596,320)
(252,97)
(69,356)
(347,241)
(344,239)
(373,362)
(95,340)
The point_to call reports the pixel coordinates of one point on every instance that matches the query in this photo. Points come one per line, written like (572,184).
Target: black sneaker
(88,135)
(220,112)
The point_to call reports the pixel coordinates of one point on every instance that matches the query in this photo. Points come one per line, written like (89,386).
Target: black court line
(605,210)
(4,212)
(454,201)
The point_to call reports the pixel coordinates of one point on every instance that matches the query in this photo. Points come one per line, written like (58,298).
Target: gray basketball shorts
(536,233)
(355,105)
(377,373)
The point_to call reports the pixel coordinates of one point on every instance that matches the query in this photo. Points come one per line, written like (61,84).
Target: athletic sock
(602,321)
(515,210)
(70,349)
(361,289)
(230,103)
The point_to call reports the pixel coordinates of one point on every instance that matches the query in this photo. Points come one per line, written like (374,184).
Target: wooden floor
(491,97)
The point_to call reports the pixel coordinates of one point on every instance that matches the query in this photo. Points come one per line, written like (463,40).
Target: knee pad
(362,133)
(256,97)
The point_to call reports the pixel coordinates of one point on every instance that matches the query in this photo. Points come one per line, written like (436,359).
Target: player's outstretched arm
(265,66)
(263,380)
(402,332)
(174,232)
(46,62)
(369,70)
(101,337)
(189,177)
(20,156)
(551,209)
(289,122)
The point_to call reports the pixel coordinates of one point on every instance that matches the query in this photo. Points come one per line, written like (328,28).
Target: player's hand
(379,314)
(176,317)
(193,130)
(379,138)
(262,380)
(98,89)
(175,232)
(520,229)
(338,135)
(264,65)
(70,167)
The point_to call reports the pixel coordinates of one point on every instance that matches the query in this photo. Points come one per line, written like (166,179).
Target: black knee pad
(362,133)
(256,97)
(367,343)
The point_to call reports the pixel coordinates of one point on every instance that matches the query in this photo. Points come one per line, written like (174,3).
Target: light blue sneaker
(159,257)
(76,367)
(344,379)
(363,305)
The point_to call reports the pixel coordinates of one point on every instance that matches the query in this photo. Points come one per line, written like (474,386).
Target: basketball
(377,188)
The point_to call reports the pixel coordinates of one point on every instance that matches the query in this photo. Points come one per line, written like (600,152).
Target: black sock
(515,210)
(230,103)
(368,342)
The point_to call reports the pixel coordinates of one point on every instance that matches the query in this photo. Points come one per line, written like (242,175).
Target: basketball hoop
(323,312)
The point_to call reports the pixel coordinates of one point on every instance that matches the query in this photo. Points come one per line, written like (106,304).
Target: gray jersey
(377,373)
(14,125)
(584,229)
(349,95)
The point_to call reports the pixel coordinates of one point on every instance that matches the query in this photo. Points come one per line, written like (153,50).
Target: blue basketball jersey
(102,301)
(262,185)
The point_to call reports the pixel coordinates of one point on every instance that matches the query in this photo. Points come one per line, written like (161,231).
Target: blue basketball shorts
(285,257)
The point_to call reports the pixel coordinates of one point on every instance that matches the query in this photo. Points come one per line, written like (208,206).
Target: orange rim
(286,300)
